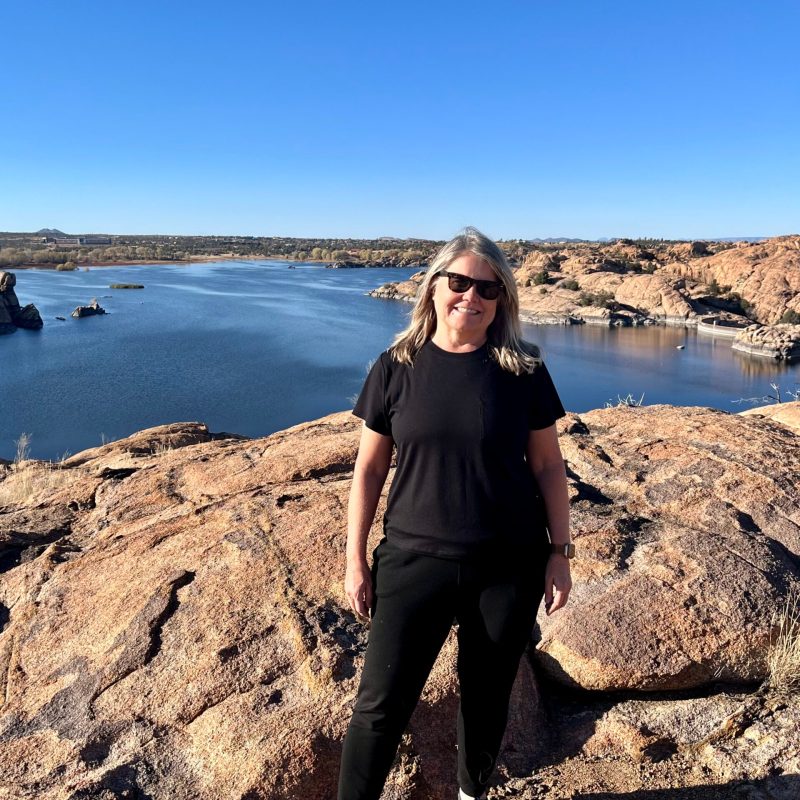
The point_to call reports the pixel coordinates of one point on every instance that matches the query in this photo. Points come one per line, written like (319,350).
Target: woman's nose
(471,293)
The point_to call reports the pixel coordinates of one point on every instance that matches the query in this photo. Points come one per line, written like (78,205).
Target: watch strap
(567,549)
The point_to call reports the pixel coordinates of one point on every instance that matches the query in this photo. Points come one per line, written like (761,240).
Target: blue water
(252,347)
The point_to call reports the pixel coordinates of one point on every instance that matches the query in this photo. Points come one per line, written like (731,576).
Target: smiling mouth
(467,310)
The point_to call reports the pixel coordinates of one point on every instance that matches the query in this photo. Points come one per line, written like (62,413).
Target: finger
(548,593)
(362,606)
(559,601)
(368,598)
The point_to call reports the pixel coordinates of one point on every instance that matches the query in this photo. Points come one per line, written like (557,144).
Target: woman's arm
(547,465)
(369,475)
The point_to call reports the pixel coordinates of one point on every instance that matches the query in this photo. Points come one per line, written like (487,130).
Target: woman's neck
(453,343)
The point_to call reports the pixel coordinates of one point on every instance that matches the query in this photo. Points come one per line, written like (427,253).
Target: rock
(780,342)
(6,323)
(729,737)
(687,542)
(402,290)
(88,311)
(662,298)
(174,622)
(786,414)
(28,317)
(11,315)
(346,265)
(665,284)
(766,274)
(8,280)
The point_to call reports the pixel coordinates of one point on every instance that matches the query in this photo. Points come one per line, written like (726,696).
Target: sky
(583,119)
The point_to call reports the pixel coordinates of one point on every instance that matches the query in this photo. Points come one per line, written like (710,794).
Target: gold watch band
(567,550)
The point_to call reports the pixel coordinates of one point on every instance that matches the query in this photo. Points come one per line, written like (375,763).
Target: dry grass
(25,479)
(783,658)
(159,448)
(23,448)
(622,402)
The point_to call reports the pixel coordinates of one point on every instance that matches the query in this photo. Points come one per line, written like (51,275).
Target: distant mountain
(53,232)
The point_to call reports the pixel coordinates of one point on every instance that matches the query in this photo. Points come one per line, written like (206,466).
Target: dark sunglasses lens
(461,283)
(458,283)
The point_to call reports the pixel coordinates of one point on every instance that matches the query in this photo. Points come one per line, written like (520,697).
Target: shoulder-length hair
(504,335)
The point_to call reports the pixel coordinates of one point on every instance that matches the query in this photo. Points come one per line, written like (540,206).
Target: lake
(252,347)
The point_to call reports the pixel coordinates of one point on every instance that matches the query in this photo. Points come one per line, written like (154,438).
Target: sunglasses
(488,290)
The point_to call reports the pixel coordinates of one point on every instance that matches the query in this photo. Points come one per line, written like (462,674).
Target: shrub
(649,267)
(790,317)
(542,290)
(570,284)
(601,299)
(67,266)
(715,289)
(541,277)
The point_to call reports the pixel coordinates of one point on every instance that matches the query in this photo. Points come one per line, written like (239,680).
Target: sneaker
(462,795)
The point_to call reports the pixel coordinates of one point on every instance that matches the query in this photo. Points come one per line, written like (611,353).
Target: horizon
(387,237)
(310,120)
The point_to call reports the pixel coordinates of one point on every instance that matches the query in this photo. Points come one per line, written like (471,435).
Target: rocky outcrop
(780,342)
(700,532)
(88,311)
(173,623)
(786,414)
(400,290)
(622,283)
(12,316)
(766,274)
(346,265)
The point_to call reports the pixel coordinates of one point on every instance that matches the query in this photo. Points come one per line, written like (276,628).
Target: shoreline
(51,267)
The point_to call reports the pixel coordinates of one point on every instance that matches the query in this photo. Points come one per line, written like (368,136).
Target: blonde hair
(504,335)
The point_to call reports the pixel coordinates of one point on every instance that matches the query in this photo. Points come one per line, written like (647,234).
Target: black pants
(417,597)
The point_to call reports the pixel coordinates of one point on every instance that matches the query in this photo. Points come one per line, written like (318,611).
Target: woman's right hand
(358,588)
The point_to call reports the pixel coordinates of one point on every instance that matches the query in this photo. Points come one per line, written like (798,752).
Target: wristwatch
(567,549)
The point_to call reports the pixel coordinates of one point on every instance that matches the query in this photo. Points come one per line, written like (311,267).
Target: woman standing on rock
(480,478)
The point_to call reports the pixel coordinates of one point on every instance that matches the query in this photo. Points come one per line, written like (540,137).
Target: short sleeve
(371,403)
(544,403)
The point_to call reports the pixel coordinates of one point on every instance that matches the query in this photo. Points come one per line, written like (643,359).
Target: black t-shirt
(460,422)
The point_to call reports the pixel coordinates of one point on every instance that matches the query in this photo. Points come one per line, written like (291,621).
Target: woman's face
(465,313)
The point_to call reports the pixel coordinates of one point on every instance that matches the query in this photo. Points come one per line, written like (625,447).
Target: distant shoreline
(156,262)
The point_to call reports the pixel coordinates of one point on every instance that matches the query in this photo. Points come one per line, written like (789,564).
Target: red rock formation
(174,623)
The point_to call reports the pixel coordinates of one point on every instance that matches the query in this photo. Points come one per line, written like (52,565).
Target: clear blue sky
(526,119)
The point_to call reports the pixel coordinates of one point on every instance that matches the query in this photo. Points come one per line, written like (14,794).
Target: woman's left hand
(557,579)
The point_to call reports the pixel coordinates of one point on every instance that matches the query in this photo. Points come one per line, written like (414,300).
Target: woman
(479,481)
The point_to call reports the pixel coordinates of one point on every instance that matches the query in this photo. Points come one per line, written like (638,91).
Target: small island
(12,315)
